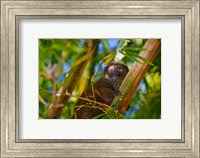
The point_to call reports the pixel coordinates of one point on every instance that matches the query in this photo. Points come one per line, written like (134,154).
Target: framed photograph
(100,78)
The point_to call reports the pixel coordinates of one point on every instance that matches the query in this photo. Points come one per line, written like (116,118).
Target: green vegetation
(56,57)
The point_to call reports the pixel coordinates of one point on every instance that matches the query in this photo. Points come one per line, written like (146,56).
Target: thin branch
(78,97)
(43,101)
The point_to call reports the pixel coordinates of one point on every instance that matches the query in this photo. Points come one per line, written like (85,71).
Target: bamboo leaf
(126,55)
(135,56)
(79,61)
(138,41)
(135,49)
(99,116)
(105,44)
(109,58)
(139,57)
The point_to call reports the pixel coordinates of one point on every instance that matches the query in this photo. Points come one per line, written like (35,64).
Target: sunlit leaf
(125,54)
(109,58)
(139,42)
(123,43)
(81,86)
(135,55)
(80,60)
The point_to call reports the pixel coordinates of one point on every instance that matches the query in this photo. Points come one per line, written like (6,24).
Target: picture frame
(13,11)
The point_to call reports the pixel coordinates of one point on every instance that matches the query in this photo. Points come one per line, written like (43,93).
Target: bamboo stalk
(71,81)
(135,75)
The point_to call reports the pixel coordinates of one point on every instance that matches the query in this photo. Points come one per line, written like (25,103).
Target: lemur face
(116,72)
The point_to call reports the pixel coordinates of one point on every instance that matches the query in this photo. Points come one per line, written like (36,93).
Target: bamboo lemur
(104,90)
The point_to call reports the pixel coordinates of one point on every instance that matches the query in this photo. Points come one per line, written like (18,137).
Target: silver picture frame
(187,11)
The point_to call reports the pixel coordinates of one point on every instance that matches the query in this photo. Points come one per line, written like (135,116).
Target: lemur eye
(119,70)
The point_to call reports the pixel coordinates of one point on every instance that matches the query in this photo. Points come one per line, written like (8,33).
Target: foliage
(55,60)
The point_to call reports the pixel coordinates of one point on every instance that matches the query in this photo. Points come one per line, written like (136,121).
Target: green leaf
(110,110)
(75,116)
(54,60)
(132,58)
(99,116)
(109,58)
(143,59)
(80,60)
(135,49)
(123,43)
(135,56)
(126,55)
(105,44)
(138,42)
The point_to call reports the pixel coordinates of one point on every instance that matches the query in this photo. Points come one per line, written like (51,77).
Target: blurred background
(56,56)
